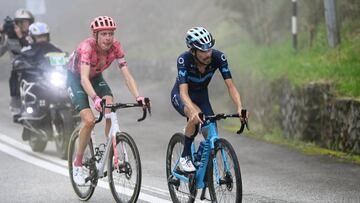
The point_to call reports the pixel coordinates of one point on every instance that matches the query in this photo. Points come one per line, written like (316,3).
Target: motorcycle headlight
(29,110)
(57,79)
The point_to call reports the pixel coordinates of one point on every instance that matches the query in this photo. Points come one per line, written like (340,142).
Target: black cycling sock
(187,146)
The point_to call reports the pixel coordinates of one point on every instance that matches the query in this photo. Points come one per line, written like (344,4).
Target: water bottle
(200,150)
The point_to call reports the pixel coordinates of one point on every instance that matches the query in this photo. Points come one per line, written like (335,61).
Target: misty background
(256,37)
(152,34)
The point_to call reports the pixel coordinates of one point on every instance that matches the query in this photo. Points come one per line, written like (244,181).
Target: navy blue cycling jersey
(189,73)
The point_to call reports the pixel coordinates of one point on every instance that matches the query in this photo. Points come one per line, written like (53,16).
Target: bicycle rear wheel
(229,187)
(179,190)
(125,181)
(83,192)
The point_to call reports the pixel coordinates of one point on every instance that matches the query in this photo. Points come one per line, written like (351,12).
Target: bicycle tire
(217,191)
(176,143)
(125,171)
(84,193)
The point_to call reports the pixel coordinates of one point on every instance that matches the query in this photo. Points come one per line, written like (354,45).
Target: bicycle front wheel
(84,192)
(179,190)
(227,186)
(125,179)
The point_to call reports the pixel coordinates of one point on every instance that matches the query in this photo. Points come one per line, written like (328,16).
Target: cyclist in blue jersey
(189,95)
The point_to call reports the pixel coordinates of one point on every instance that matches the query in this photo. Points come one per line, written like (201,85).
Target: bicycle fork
(113,130)
(225,163)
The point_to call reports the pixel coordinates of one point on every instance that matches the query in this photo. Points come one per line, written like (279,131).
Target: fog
(151,32)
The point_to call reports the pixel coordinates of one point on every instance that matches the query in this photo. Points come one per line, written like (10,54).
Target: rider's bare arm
(184,94)
(234,94)
(129,80)
(85,81)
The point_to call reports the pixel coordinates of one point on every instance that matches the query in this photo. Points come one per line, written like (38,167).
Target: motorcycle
(46,110)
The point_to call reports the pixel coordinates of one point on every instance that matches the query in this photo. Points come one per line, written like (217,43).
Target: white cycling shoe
(80,174)
(186,164)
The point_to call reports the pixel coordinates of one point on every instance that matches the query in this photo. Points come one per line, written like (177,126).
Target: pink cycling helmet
(103,23)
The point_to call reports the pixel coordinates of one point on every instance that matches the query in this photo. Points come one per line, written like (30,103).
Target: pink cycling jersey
(86,54)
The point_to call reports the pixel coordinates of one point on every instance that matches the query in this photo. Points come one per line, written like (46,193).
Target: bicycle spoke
(84,192)
(125,179)
(227,185)
(179,190)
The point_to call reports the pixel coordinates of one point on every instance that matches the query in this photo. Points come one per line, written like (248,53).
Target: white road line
(30,159)
(17,150)
(26,148)
(56,160)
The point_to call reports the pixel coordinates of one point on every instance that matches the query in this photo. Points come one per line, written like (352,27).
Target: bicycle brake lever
(244,121)
(240,130)
(144,115)
(243,125)
(247,125)
(149,110)
(147,104)
(102,103)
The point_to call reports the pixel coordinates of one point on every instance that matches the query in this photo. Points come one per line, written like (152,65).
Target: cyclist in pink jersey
(86,64)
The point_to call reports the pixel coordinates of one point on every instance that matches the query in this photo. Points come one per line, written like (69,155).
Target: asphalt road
(270,173)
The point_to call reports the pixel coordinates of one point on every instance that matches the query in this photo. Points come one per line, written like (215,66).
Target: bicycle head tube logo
(205,153)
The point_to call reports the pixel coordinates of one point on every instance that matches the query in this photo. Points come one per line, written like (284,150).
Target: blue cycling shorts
(199,97)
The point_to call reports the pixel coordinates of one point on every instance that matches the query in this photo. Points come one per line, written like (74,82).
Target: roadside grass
(276,137)
(340,65)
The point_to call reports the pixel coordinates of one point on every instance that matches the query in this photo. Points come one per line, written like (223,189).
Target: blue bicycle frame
(202,166)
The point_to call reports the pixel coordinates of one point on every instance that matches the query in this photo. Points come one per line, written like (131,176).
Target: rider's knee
(193,122)
(89,123)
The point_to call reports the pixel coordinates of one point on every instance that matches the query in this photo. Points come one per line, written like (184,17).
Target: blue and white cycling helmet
(199,38)
(38,28)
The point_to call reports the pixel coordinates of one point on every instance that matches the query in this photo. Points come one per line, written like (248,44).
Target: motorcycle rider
(40,34)
(34,54)
(13,37)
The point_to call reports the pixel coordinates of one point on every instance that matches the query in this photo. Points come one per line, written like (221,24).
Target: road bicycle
(119,152)
(217,166)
